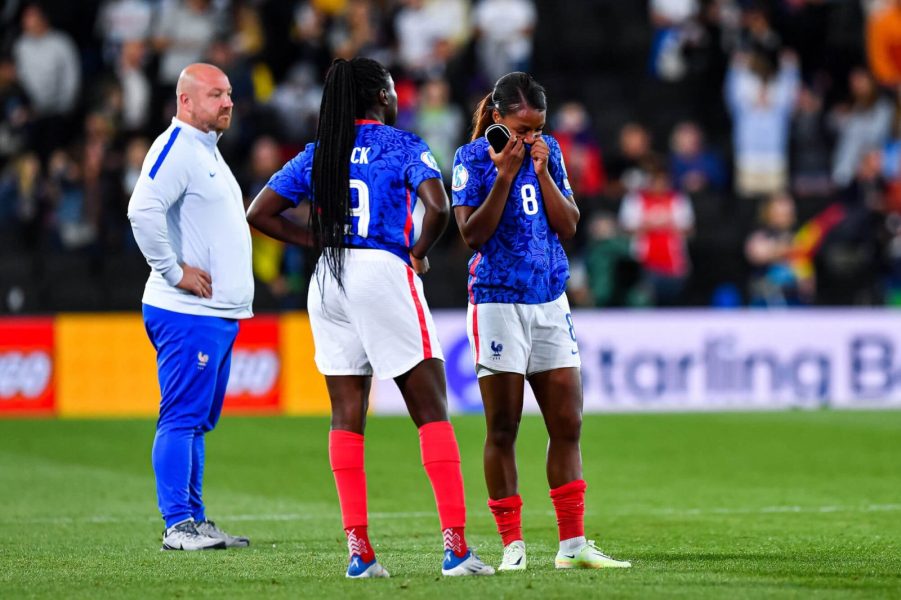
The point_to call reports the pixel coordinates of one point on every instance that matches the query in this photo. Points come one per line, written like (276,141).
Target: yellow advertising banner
(105,367)
(303,386)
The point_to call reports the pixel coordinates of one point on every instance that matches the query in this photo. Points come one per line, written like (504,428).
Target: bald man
(187,215)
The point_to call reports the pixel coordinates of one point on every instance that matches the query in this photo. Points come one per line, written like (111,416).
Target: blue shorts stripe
(162,156)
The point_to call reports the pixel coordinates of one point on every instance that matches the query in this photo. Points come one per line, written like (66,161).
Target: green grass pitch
(739,505)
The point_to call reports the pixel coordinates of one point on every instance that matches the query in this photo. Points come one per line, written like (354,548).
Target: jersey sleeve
(421,165)
(557,167)
(465,186)
(292,181)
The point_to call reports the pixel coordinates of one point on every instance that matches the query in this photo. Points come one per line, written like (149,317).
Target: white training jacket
(187,208)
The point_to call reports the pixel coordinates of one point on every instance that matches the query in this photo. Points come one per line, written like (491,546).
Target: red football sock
(569,503)
(441,459)
(358,543)
(508,516)
(345,453)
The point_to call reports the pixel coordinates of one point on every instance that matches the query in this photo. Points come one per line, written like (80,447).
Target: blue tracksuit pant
(193,360)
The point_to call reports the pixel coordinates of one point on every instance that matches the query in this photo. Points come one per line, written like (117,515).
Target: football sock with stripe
(346,456)
(441,459)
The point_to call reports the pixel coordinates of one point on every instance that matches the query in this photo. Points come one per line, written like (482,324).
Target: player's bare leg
(502,395)
(425,392)
(559,395)
(349,395)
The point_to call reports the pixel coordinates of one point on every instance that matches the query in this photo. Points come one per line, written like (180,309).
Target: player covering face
(513,207)
(366,304)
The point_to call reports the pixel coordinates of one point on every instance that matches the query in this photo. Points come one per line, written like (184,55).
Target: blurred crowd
(760,164)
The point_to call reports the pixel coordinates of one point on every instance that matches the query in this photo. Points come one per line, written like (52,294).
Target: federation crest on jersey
(428,159)
(461,177)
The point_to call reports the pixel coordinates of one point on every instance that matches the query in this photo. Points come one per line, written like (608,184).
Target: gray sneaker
(184,536)
(209,529)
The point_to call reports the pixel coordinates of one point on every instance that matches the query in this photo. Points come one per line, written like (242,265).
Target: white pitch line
(667,512)
(773,510)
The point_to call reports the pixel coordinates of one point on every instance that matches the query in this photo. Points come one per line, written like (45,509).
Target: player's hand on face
(420,265)
(540,154)
(509,160)
(196,281)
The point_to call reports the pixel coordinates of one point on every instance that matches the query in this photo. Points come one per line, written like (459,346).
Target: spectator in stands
(581,151)
(760,96)
(135,86)
(612,272)
(421,27)
(659,219)
(183,32)
(757,33)
(49,70)
(296,103)
(15,112)
(309,48)
(247,114)
(850,257)
(503,31)
(626,169)
(673,22)
(440,123)
(21,199)
(356,33)
(883,40)
(694,169)
(277,265)
(769,252)
(811,145)
(135,151)
(75,221)
(120,22)
(892,251)
(101,161)
(862,125)
(247,35)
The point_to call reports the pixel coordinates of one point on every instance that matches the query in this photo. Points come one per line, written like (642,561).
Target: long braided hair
(511,93)
(351,87)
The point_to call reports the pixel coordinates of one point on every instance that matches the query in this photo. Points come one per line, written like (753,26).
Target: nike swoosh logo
(518,561)
(574,351)
(213,174)
(569,556)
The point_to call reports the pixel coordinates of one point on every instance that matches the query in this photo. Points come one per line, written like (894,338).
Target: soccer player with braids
(513,207)
(366,304)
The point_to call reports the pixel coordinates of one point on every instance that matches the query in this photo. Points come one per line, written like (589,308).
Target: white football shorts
(522,338)
(380,323)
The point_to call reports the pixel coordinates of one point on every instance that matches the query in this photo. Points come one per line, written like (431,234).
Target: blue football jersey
(387,165)
(523,262)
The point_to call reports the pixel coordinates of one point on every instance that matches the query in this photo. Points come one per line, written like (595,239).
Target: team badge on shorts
(461,177)
(429,160)
(496,350)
